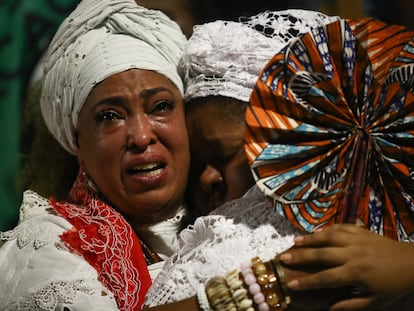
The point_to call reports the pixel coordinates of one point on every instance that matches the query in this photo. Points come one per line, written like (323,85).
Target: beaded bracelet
(254,288)
(202,299)
(265,282)
(269,279)
(262,276)
(219,294)
(239,293)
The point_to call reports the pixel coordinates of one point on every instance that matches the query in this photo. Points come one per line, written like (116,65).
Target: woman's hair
(47,168)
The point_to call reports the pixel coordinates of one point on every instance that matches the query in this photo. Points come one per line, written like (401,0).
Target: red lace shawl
(107,242)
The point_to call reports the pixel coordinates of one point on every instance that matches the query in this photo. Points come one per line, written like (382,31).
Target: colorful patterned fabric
(330,129)
(107,242)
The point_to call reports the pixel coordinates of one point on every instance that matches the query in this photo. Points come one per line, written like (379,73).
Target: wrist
(257,286)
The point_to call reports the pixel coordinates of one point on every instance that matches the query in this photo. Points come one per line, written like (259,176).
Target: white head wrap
(98,39)
(225,58)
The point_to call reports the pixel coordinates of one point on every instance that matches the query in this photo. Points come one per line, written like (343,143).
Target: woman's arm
(310,300)
(189,304)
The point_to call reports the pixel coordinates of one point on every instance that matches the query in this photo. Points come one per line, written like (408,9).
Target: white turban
(225,58)
(98,39)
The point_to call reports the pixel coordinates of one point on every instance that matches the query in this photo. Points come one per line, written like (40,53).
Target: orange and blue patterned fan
(330,128)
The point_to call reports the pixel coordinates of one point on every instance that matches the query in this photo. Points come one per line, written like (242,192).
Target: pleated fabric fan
(330,128)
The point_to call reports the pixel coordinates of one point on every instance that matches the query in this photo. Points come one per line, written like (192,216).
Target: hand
(381,268)
(313,299)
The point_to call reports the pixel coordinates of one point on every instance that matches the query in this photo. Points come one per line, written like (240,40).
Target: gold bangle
(259,269)
(269,283)
(271,290)
(280,274)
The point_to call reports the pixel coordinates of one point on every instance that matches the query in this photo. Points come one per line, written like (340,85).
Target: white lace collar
(163,236)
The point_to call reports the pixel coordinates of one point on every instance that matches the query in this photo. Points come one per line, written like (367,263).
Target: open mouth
(148,169)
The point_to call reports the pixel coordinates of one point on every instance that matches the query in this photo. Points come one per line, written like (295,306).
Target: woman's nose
(211,179)
(140,132)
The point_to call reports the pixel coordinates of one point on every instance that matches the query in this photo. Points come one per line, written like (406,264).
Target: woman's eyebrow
(117,99)
(155,90)
(112,100)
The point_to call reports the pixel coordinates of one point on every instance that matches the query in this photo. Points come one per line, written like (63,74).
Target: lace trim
(108,243)
(32,205)
(217,243)
(216,62)
(163,236)
(49,296)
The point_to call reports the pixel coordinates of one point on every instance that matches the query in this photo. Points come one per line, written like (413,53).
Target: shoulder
(38,224)
(33,205)
(38,269)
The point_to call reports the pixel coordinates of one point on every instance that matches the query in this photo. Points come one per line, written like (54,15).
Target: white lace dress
(38,272)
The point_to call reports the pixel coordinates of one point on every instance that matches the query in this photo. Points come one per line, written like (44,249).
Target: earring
(91,184)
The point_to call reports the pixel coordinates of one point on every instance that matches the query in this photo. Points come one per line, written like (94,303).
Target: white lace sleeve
(217,243)
(238,231)
(38,273)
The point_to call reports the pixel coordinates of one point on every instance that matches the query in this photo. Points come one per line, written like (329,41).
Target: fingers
(348,228)
(326,256)
(336,235)
(325,237)
(330,278)
(363,303)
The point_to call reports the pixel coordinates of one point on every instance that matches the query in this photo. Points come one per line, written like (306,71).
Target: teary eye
(163,106)
(107,115)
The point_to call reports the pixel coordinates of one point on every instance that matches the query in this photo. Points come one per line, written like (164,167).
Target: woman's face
(220,171)
(133,144)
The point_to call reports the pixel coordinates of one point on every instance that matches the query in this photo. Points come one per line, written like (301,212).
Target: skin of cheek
(236,180)
(103,151)
(218,141)
(238,177)
(110,182)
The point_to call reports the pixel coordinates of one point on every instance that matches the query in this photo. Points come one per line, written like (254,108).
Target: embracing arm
(310,300)
(380,268)
(190,304)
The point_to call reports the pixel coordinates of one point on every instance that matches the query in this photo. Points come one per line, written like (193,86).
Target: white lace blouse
(38,272)
(220,242)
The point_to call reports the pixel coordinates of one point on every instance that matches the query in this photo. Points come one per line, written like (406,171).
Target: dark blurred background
(26,27)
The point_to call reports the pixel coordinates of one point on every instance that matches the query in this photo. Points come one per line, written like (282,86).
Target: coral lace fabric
(108,243)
